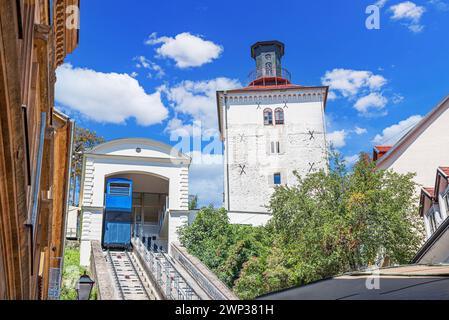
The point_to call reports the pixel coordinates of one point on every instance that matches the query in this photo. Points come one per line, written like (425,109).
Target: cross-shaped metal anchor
(312,135)
(312,165)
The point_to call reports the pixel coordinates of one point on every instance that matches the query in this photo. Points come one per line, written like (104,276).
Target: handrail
(208,281)
(162,268)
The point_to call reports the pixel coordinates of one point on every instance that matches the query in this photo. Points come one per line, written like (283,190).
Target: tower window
(275,147)
(268,117)
(279,114)
(269,69)
(277,179)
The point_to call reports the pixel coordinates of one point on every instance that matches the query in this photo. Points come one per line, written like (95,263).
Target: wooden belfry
(35,145)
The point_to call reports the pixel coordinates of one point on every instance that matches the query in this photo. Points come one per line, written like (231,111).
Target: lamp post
(84,287)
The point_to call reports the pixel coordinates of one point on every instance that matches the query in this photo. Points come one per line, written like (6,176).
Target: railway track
(130,284)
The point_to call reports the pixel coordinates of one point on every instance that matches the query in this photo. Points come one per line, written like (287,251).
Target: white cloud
(107,97)
(410,13)
(197,100)
(350,83)
(352,160)
(363,87)
(359,131)
(397,98)
(337,138)
(374,100)
(155,69)
(186,49)
(393,134)
(440,5)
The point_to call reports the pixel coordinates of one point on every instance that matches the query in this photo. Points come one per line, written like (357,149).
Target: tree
(193,202)
(333,221)
(84,140)
(337,221)
(221,246)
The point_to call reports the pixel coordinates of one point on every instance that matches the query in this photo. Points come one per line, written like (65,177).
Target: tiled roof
(383,149)
(429,191)
(444,170)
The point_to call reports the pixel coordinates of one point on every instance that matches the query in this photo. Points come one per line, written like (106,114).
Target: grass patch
(72,272)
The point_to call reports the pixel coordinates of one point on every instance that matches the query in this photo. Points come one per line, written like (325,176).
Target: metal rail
(137,274)
(114,272)
(127,278)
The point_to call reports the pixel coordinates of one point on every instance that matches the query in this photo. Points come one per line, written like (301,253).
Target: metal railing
(168,279)
(203,281)
(263,73)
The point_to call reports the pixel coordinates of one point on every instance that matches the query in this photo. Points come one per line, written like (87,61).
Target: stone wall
(99,271)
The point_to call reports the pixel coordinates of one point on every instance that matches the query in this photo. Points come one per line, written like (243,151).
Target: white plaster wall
(429,151)
(247,143)
(253,219)
(91,229)
(177,219)
(129,149)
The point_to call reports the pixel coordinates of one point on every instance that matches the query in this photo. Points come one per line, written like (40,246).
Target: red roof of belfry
(272,87)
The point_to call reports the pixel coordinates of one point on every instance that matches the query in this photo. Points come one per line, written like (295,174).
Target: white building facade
(269,129)
(160,176)
(423,151)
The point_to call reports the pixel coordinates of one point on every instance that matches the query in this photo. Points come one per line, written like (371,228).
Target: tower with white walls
(269,129)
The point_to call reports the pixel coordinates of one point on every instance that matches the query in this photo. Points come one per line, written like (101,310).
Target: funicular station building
(133,188)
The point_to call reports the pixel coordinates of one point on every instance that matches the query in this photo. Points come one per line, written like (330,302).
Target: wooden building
(35,145)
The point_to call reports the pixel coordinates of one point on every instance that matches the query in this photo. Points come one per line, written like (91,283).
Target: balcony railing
(259,75)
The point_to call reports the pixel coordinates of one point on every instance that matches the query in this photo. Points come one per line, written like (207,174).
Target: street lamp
(84,287)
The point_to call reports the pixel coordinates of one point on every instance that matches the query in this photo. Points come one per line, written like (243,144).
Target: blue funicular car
(117,214)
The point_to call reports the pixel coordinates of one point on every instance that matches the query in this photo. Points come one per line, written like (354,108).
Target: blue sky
(161,62)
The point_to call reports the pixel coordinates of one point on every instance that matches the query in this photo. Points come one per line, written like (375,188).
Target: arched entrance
(150,201)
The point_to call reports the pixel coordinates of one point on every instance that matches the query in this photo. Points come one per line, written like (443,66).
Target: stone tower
(269,129)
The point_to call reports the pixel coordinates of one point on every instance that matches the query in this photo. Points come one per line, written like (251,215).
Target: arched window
(279,114)
(268,117)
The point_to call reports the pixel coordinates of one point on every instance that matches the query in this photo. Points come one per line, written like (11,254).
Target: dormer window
(434,218)
(268,117)
(279,115)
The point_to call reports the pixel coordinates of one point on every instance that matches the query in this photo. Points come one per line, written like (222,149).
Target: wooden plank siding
(32,45)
